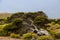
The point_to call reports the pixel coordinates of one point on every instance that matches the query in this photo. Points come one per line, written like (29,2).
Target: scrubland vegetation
(18,25)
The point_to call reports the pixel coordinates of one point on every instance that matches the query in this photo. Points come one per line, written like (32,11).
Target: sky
(50,7)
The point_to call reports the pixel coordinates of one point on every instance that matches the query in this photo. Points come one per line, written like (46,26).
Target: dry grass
(4,15)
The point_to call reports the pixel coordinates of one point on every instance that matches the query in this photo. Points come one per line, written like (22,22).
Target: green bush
(17,21)
(52,32)
(9,27)
(13,35)
(44,38)
(29,36)
(3,33)
(57,35)
(14,26)
(41,21)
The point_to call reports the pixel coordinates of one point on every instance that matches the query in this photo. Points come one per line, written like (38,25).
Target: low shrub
(13,35)
(29,36)
(17,22)
(9,27)
(52,32)
(57,35)
(3,33)
(44,38)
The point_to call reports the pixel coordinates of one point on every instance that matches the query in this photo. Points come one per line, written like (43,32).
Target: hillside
(29,26)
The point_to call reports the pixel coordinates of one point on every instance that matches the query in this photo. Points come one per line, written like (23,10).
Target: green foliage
(14,26)
(54,30)
(3,33)
(41,21)
(29,36)
(53,26)
(17,22)
(53,23)
(52,33)
(57,35)
(9,27)
(52,20)
(32,15)
(2,21)
(13,35)
(42,14)
(14,16)
(44,38)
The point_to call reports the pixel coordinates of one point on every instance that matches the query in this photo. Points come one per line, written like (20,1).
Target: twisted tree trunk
(38,31)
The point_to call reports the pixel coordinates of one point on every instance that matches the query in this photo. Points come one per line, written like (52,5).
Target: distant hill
(4,15)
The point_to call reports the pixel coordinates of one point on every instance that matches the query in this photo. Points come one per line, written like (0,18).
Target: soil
(8,38)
